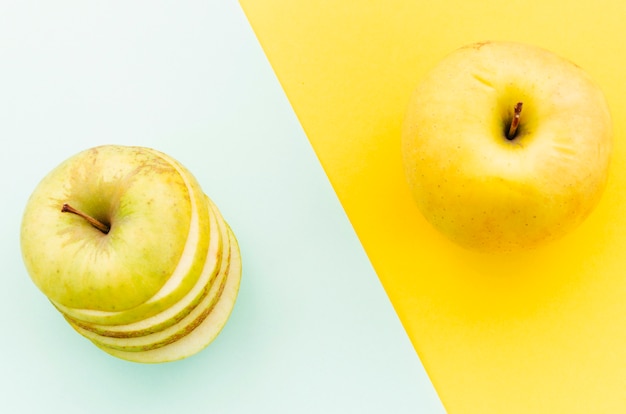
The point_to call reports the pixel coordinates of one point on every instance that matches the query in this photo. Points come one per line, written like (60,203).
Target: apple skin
(490,193)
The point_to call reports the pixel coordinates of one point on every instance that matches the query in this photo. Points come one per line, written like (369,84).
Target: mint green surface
(312,330)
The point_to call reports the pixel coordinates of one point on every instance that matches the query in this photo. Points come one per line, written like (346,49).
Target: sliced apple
(180,309)
(108,184)
(205,332)
(125,244)
(182,327)
(188,269)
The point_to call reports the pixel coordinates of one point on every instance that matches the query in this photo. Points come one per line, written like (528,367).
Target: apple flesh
(506,146)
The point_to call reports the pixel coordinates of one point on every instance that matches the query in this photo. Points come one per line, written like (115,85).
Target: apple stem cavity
(517,112)
(104,228)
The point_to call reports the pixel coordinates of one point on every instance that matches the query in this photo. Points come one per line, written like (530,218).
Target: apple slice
(180,309)
(187,271)
(205,332)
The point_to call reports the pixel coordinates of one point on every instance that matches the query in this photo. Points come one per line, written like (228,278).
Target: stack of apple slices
(146,267)
(182,329)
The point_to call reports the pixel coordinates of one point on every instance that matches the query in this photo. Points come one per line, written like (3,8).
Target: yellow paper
(536,332)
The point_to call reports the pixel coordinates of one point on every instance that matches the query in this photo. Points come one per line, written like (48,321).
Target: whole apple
(506,146)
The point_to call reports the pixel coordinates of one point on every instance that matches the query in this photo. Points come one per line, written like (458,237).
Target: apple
(143,337)
(506,146)
(125,244)
(202,335)
(176,312)
(178,341)
(188,268)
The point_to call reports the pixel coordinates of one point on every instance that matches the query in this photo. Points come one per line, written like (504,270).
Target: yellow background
(542,331)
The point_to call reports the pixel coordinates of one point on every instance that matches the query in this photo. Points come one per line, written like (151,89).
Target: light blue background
(312,330)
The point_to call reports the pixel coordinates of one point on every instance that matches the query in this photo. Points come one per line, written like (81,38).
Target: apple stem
(515,122)
(96,223)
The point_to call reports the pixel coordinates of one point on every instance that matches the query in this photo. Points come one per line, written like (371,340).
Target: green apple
(177,311)
(202,334)
(125,244)
(184,276)
(182,327)
(506,146)
(156,211)
(181,317)
(78,265)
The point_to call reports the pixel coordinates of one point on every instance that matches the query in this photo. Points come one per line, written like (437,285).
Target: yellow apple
(146,336)
(191,342)
(131,192)
(125,244)
(177,311)
(191,260)
(506,146)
